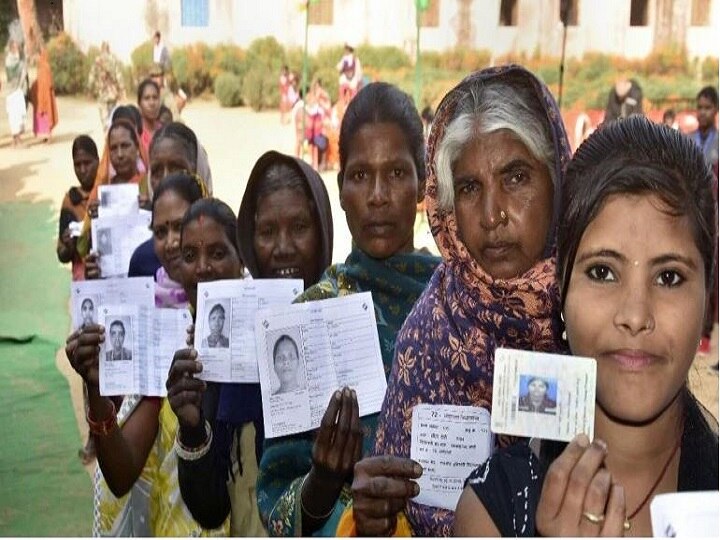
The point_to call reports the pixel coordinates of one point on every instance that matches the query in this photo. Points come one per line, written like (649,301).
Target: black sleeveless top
(509,482)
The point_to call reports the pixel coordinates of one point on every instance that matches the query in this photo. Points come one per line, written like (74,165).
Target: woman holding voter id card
(495,158)
(636,246)
(304,479)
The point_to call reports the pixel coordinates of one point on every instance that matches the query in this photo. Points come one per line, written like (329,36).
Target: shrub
(670,60)
(228,58)
(191,67)
(431,60)
(330,56)
(69,65)
(266,52)
(260,88)
(464,59)
(709,70)
(383,57)
(228,89)
(142,60)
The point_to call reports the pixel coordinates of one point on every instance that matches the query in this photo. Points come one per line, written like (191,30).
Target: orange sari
(42,96)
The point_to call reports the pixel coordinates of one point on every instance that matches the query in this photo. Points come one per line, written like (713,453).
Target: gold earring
(503,216)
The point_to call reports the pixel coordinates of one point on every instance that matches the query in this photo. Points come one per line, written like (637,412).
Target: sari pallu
(445,350)
(395,284)
(42,96)
(104,176)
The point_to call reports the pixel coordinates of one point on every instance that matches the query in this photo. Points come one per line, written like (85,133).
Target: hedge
(69,65)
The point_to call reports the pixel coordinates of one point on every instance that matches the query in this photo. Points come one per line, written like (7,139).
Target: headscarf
(248,209)
(445,350)
(240,403)
(42,92)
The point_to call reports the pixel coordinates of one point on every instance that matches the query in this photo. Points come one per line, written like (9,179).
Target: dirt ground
(234,139)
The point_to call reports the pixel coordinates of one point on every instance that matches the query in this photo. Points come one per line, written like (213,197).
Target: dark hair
(669,113)
(216,210)
(143,85)
(86,144)
(636,156)
(710,93)
(282,338)
(217,307)
(122,123)
(164,110)
(130,113)
(183,135)
(182,184)
(381,102)
(117,322)
(82,304)
(282,176)
(157,33)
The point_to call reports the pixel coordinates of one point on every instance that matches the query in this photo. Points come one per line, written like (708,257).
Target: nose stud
(503,216)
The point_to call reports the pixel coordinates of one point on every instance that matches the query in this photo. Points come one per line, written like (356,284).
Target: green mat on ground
(44,490)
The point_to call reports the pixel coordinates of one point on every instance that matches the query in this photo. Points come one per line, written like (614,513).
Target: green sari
(395,283)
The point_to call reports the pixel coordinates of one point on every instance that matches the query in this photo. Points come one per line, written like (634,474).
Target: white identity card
(225,324)
(308,351)
(118,200)
(87,297)
(116,238)
(690,514)
(139,346)
(449,441)
(549,396)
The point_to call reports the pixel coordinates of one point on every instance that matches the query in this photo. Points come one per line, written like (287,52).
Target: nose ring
(503,216)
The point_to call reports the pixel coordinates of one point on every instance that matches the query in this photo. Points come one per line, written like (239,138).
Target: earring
(564,332)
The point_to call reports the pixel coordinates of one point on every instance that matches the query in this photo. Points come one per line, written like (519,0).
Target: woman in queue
(636,249)
(285,231)
(136,491)
(495,158)
(304,479)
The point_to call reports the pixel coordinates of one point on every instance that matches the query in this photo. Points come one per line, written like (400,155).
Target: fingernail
(602,445)
(582,440)
(417,470)
(346,392)
(354,394)
(337,394)
(416,490)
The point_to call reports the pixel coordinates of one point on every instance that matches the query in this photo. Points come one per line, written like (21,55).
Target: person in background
(284,88)
(636,243)
(165,115)
(625,99)
(175,102)
(42,96)
(351,75)
(161,55)
(106,83)
(706,138)
(17,87)
(148,98)
(669,119)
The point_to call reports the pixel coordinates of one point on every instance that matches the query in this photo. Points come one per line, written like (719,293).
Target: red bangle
(103,427)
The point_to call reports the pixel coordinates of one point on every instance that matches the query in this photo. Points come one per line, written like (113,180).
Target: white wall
(603,26)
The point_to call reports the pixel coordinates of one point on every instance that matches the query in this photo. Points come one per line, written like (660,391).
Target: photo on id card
(542,395)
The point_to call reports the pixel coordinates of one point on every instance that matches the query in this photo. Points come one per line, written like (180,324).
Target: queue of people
(609,254)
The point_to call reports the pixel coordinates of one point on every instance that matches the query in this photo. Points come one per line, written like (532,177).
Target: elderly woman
(284,230)
(304,479)
(637,244)
(496,152)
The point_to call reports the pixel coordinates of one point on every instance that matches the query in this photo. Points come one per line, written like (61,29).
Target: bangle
(305,511)
(193,454)
(103,427)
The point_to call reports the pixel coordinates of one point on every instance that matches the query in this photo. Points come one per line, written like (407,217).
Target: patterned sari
(445,350)
(395,283)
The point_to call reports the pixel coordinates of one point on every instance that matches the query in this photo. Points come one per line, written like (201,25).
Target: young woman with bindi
(305,479)
(135,445)
(209,252)
(636,248)
(284,229)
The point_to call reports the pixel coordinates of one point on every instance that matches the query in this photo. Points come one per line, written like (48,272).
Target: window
(195,12)
(431,16)
(572,11)
(638,12)
(320,12)
(508,12)
(700,15)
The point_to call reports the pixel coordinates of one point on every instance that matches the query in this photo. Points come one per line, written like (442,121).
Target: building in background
(630,28)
